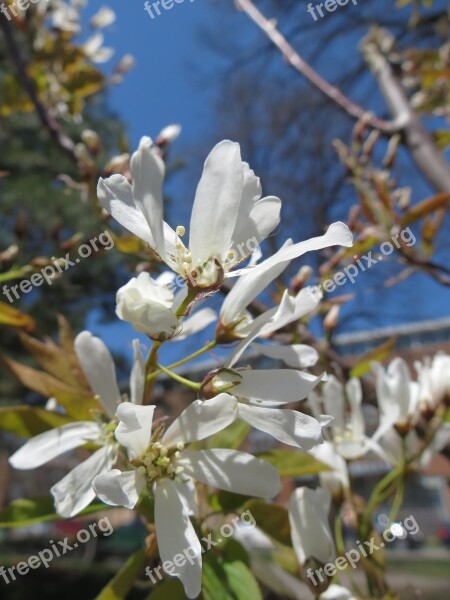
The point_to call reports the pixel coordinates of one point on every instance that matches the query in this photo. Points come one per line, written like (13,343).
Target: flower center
(160,462)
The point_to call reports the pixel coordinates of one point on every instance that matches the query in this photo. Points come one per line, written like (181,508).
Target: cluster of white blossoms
(138,455)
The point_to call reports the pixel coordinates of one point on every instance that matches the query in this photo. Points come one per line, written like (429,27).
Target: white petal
(50,444)
(310,532)
(216,204)
(116,197)
(135,427)
(337,592)
(98,366)
(197,322)
(74,492)
(232,471)
(148,170)
(338,234)
(263,219)
(201,419)
(337,479)
(273,387)
(247,288)
(175,534)
(333,398)
(289,310)
(296,356)
(187,492)
(354,395)
(137,377)
(119,489)
(288,426)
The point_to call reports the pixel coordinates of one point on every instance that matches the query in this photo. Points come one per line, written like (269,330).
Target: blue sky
(170,84)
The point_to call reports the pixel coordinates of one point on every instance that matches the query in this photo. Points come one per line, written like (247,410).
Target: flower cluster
(139,455)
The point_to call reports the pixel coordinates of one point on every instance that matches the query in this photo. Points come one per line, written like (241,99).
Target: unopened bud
(92,141)
(304,274)
(332,319)
(168,135)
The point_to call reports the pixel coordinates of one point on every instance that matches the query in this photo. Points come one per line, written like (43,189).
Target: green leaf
(272,519)
(27,421)
(378,354)
(122,582)
(231,437)
(292,463)
(228,580)
(227,501)
(24,512)
(170,588)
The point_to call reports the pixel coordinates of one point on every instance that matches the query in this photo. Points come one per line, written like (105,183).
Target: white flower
(150,305)
(228,212)
(228,221)
(93,49)
(347,427)
(235,321)
(337,592)
(103,17)
(74,492)
(65,17)
(164,467)
(311,536)
(336,481)
(434,381)
(397,396)
(168,135)
(260,393)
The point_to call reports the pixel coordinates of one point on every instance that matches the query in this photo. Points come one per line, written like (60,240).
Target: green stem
(187,382)
(209,346)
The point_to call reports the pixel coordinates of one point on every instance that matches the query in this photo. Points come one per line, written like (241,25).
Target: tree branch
(48,121)
(330,91)
(418,140)
(427,157)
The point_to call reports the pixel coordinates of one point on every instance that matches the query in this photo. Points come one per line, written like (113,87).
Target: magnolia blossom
(151,306)
(74,492)
(161,465)
(434,381)
(311,536)
(228,213)
(235,321)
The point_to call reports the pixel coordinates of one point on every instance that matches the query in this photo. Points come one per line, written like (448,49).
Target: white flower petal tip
(310,532)
(98,366)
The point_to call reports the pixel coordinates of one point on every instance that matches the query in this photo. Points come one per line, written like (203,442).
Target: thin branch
(48,121)
(418,140)
(330,91)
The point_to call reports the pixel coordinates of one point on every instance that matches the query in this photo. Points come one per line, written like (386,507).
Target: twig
(330,91)
(49,122)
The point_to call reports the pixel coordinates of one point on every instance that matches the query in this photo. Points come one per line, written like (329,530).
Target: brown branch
(426,155)
(332,92)
(418,140)
(48,121)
